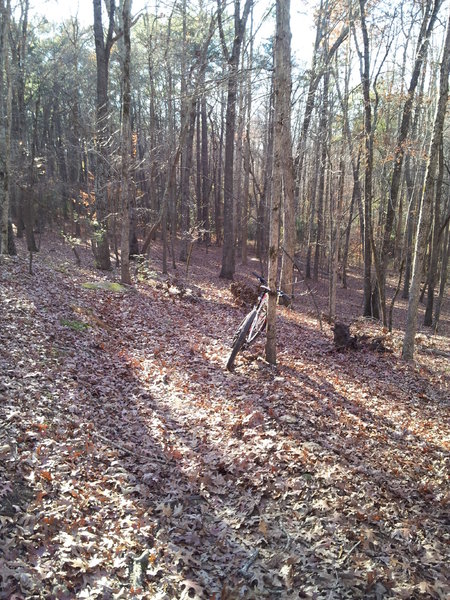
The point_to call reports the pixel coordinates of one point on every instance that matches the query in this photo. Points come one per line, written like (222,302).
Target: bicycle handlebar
(260,278)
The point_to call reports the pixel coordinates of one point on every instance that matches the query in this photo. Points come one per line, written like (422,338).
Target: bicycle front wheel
(240,337)
(259,322)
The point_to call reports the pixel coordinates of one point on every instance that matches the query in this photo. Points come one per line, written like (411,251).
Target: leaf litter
(122,437)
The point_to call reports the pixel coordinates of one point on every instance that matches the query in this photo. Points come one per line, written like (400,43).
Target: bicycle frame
(253,324)
(259,322)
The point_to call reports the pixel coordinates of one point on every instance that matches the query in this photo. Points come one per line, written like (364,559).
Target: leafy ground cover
(132,465)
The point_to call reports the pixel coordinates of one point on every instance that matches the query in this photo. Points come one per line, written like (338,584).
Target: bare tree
(427,201)
(232,58)
(125,186)
(281,146)
(103,47)
(287,162)
(429,19)
(6,244)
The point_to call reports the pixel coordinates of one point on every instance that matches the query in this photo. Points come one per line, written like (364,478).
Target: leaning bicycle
(254,323)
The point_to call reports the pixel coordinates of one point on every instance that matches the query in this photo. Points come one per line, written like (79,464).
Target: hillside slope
(123,441)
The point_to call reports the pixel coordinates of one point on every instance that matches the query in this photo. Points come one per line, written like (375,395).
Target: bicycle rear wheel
(240,337)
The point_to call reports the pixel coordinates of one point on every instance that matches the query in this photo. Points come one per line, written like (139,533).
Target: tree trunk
(218,214)
(185,180)
(247,166)
(355,192)
(368,171)
(335,233)
(434,245)
(239,155)
(323,134)
(287,162)
(103,48)
(262,232)
(5,129)
(281,120)
(444,270)
(313,191)
(228,254)
(410,221)
(198,174)
(206,186)
(427,201)
(126,146)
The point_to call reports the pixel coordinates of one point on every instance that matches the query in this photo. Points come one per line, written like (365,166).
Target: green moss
(110,286)
(75,325)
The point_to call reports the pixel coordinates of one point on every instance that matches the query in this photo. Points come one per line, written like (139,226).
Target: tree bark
(434,244)
(228,254)
(103,47)
(444,270)
(287,161)
(368,171)
(5,130)
(206,186)
(281,120)
(323,134)
(185,179)
(246,161)
(126,145)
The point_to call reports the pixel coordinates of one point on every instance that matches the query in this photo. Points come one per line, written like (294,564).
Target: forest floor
(126,447)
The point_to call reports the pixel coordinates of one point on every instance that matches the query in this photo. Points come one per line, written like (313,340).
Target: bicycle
(254,322)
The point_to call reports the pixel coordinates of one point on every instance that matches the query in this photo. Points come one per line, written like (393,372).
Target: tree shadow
(206,485)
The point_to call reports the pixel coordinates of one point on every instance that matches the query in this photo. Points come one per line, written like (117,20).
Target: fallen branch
(294,262)
(288,538)
(434,352)
(126,450)
(346,557)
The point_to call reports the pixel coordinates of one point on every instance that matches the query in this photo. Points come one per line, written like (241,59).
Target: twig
(288,537)
(349,552)
(123,449)
(244,569)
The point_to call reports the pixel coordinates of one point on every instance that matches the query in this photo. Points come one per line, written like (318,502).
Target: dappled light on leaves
(133,465)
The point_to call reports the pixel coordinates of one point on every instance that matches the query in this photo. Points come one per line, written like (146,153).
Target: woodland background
(181,122)
(148,160)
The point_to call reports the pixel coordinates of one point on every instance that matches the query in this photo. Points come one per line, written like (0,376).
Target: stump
(342,337)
